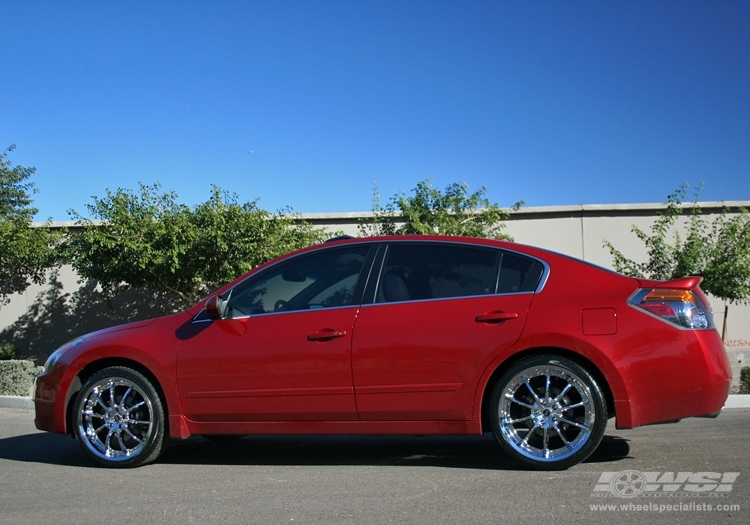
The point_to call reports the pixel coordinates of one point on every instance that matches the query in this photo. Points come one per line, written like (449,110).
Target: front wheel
(119,418)
(548,412)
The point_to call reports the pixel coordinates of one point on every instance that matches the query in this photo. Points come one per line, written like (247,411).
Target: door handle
(326,335)
(496,317)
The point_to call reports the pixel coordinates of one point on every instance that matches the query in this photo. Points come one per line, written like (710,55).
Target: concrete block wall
(739,358)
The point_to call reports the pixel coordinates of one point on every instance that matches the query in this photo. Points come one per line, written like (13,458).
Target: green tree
(433,212)
(718,251)
(25,252)
(149,240)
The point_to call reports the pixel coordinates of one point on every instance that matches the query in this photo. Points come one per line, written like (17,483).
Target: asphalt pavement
(45,478)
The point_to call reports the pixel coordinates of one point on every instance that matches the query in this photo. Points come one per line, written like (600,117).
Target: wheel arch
(100,364)
(581,360)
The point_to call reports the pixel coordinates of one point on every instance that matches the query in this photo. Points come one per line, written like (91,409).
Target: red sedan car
(398,335)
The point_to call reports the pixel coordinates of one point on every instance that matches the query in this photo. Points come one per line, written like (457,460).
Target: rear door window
(413,272)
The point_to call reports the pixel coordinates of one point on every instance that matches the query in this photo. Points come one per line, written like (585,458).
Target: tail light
(682,308)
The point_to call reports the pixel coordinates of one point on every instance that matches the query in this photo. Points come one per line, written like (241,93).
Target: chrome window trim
(374,243)
(264,314)
(545,272)
(458,298)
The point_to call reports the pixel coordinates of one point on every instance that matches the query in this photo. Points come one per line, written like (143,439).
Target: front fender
(150,348)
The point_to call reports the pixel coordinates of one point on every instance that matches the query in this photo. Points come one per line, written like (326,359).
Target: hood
(120,328)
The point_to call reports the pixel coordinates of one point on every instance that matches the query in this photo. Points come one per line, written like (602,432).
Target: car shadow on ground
(463,452)
(43,447)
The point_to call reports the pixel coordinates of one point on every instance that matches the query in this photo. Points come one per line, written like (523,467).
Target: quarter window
(518,274)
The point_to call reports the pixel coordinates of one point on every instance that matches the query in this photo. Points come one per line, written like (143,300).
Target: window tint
(431,271)
(320,280)
(518,274)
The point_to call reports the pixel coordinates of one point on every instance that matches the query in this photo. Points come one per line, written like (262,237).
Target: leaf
(148,239)
(430,211)
(718,251)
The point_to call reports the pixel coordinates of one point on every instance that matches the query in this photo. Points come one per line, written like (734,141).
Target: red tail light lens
(682,308)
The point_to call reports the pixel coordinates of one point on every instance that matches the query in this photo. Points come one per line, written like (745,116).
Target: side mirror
(212,308)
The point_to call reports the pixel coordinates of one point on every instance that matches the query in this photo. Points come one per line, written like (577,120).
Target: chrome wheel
(119,418)
(548,412)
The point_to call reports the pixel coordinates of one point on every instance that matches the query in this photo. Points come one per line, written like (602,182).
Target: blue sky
(566,102)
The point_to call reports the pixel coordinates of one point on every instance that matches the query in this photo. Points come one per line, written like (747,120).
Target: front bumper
(45,398)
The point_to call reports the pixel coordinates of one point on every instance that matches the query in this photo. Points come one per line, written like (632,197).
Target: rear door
(439,311)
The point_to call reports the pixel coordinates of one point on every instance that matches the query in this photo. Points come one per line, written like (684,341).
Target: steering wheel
(281,306)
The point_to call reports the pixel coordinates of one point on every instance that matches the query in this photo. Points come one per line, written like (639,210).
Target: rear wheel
(118,418)
(548,412)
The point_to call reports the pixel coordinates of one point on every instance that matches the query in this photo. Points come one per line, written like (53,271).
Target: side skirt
(332,427)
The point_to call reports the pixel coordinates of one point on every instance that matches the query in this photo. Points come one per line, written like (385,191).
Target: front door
(282,352)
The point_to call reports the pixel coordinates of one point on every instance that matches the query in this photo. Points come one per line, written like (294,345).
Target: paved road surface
(44,478)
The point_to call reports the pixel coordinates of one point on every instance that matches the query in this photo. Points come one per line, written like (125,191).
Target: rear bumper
(696,386)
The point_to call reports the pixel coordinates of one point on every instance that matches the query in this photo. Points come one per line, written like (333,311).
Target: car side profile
(398,335)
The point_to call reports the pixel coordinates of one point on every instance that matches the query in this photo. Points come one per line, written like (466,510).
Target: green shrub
(745,380)
(8,351)
(16,377)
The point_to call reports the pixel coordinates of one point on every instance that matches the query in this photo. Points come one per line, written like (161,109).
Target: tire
(118,418)
(548,413)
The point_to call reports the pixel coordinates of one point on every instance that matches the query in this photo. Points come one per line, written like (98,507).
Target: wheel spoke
(92,414)
(536,397)
(108,442)
(561,394)
(569,422)
(546,387)
(137,405)
(516,401)
(112,400)
(98,401)
(560,434)
(123,448)
(570,407)
(133,436)
(520,420)
(525,440)
(125,395)
(545,450)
